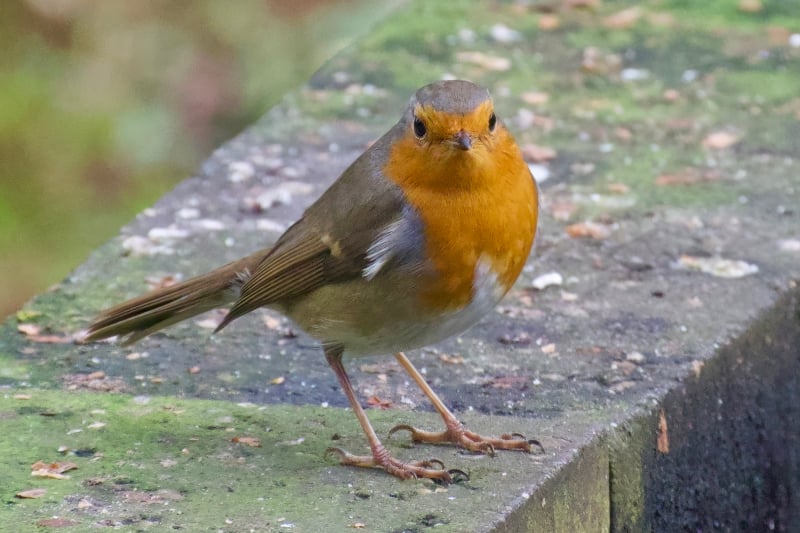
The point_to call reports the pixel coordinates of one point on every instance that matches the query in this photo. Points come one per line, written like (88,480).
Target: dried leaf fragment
(34,333)
(549,22)
(623,19)
(662,441)
(28,329)
(272,322)
(162,282)
(208,323)
(379,368)
(569,296)
(687,176)
(618,188)
(588,230)
(375,401)
(85,504)
(697,367)
(535,98)
(671,95)
(561,209)
(549,348)
(778,35)
(248,441)
(718,266)
(719,140)
(52,470)
(455,359)
(486,61)
(538,154)
(623,134)
(31,494)
(750,6)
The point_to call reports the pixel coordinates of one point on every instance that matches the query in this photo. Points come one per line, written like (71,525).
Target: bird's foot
(430,469)
(457,434)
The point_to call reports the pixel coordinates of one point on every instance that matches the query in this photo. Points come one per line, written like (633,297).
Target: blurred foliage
(104,106)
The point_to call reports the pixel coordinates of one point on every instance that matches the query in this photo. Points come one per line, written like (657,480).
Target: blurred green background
(104,106)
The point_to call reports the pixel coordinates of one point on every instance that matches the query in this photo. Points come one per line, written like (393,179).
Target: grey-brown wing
(331,242)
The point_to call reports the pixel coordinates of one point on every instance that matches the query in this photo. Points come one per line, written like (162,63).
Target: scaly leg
(380,456)
(455,432)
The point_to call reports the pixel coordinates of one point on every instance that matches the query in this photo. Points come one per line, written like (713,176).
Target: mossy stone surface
(677,133)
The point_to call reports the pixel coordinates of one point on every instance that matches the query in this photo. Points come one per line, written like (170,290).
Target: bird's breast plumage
(477,206)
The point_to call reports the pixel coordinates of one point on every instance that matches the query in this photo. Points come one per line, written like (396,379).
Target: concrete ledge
(661,375)
(730,464)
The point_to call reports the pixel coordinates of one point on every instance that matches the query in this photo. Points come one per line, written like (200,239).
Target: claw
(380,458)
(534,442)
(431,462)
(520,436)
(401,427)
(333,450)
(458,475)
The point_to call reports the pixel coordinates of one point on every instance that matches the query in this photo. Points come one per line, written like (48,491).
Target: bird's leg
(455,432)
(380,458)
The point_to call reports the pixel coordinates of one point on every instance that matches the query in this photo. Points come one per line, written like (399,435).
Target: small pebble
(188,213)
(540,172)
(166,234)
(789,245)
(240,171)
(209,224)
(635,357)
(634,74)
(503,34)
(546,280)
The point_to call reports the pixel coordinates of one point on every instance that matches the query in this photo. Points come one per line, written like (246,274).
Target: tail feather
(142,316)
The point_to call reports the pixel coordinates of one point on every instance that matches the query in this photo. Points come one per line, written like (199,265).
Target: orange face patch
(474,203)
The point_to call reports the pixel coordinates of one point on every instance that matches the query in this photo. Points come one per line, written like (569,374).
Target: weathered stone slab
(676,136)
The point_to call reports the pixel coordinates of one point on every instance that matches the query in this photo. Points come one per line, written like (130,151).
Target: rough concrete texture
(660,374)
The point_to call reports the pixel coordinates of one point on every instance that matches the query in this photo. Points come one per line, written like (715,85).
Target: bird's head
(452,118)
(450,136)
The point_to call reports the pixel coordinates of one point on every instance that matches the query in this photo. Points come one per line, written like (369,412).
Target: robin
(416,241)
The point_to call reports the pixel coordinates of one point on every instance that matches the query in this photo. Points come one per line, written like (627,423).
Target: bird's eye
(492,122)
(419,128)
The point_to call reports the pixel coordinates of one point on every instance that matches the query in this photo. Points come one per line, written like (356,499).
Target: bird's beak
(462,140)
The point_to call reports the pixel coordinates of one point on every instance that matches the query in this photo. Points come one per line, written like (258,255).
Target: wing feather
(331,242)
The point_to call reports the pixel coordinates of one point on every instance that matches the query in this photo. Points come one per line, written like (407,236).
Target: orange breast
(477,204)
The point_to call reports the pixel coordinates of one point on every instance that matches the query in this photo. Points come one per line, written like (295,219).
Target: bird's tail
(139,317)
